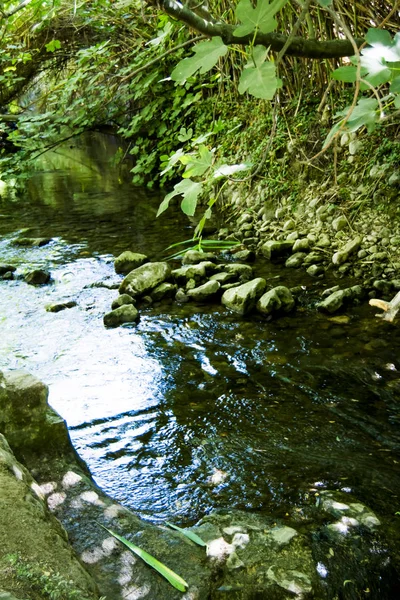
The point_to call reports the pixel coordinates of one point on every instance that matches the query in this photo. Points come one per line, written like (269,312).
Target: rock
(339,223)
(122,300)
(126,313)
(379,256)
(244,255)
(336,300)
(197,272)
(205,291)
(145,278)
(313,257)
(330,291)
(279,298)
(242,272)
(163,291)
(37,277)
(129,261)
(25,416)
(383,286)
(31,242)
(293,235)
(296,260)
(342,256)
(36,540)
(289,225)
(323,241)
(192,257)
(333,302)
(223,277)
(274,248)
(243,298)
(301,245)
(7,269)
(54,308)
(181,297)
(315,270)
(9,276)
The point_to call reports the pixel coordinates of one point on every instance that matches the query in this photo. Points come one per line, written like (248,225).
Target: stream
(194,408)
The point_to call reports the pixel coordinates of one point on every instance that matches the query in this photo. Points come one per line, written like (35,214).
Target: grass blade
(175,580)
(189,534)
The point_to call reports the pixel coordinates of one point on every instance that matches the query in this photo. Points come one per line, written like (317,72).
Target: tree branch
(298,46)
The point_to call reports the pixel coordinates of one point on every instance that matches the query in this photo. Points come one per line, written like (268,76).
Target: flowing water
(193,408)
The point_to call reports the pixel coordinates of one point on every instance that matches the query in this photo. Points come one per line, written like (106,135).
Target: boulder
(122,300)
(127,313)
(315,270)
(205,291)
(37,277)
(192,257)
(26,419)
(223,277)
(279,298)
(128,261)
(275,249)
(343,255)
(145,278)
(244,255)
(243,298)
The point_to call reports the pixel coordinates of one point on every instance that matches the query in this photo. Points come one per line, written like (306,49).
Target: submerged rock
(145,278)
(127,313)
(37,277)
(128,261)
(243,298)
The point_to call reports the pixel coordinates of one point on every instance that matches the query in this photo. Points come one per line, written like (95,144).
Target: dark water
(194,408)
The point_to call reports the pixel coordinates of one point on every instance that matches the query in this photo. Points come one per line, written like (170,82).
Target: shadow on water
(194,408)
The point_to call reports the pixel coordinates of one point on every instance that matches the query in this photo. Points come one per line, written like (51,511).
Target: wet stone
(302,245)
(163,291)
(9,276)
(242,299)
(296,260)
(121,300)
(205,291)
(279,298)
(242,272)
(7,269)
(54,308)
(145,278)
(128,261)
(37,277)
(275,248)
(31,242)
(193,257)
(124,314)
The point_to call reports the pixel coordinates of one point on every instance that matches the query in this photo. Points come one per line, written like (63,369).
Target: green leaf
(198,166)
(378,36)
(185,134)
(397,102)
(324,3)
(347,74)
(205,58)
(190,190)
(172,160)
(53,45)
(262,17)
(175,580)
(189,534)
(258,78)
(366,114)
